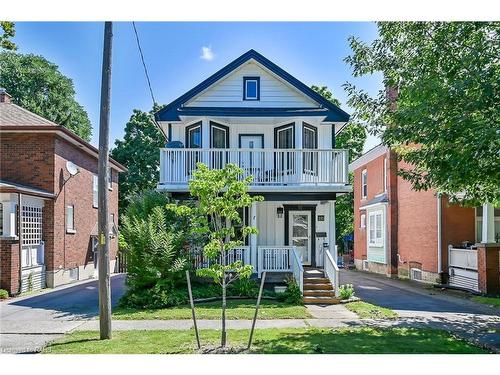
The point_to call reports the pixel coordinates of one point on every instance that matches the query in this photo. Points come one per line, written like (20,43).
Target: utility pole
(102,186)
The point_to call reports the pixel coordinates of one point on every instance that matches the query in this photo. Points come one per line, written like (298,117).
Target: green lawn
(269,341)
(237,309)
(492,301)
(366,310)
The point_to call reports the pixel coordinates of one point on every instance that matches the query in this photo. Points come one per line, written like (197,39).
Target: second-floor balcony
(272,169)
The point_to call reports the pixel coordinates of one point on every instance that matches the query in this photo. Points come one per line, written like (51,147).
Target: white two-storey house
(256,115)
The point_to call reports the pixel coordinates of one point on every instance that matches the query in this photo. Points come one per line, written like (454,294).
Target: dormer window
(251,88)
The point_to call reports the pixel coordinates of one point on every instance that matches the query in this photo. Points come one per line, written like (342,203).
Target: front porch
(293,237)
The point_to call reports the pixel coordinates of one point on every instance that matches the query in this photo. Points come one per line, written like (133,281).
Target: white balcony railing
(267,166)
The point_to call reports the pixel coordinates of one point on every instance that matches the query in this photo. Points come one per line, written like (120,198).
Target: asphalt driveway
(421,305)
(30,322)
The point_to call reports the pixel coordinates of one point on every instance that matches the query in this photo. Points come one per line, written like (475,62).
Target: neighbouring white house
(258,116)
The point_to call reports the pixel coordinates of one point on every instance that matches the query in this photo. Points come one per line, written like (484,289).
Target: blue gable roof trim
(172,111)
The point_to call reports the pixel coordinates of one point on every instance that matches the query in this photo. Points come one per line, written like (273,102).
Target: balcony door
(219,139)
(251,161)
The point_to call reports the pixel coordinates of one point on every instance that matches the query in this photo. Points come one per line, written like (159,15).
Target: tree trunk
(223,337)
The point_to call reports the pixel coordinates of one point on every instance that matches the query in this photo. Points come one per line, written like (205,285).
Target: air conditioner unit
(416,274)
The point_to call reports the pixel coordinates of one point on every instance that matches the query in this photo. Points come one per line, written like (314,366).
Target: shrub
(4,294)
(292,294)
(346,291)
(156,260)
(244,288)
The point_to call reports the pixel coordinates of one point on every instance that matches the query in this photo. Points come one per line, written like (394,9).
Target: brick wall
(9,261)
(39,160)
(72,249)
(417,226)
(28,159)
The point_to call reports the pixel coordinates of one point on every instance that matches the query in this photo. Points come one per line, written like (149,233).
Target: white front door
(299,231)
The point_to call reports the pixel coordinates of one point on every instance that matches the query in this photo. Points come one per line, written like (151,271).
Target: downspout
(439,236)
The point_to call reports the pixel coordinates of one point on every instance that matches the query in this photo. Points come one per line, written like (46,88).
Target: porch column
(205,141)
(488,252)
(205,133)
(488,235)
(298,146)
(253,237)
(332,230)
(9,217)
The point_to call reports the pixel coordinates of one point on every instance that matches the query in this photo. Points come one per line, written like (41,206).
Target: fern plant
(155,256)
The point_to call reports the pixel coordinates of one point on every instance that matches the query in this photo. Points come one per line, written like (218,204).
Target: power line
(144,63)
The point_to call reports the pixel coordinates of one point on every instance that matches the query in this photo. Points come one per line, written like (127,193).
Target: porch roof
(377,200)
(12,187)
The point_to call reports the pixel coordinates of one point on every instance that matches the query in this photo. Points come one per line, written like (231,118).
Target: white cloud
(207,53)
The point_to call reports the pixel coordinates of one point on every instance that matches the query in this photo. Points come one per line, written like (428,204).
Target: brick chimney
(4,96)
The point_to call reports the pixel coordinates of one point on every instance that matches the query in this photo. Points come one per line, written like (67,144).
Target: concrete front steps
(317,288)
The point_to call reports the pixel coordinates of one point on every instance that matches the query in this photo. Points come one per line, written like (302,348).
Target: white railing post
(162,165)
(332,271)
(297,268)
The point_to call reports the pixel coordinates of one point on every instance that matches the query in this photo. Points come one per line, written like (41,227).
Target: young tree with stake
(220,194)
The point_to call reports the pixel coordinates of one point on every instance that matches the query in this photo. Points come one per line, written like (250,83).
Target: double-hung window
(70,219)
(362,221)
(251,88)
(375,228)
(110,179)
(364,184)
(95,198)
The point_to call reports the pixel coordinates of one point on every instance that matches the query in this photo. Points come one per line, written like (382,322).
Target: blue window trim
(172,111)
(245,79)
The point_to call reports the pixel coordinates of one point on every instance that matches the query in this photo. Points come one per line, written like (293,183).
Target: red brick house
(401,232)
(48,216)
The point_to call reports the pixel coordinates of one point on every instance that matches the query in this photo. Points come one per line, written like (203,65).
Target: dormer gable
(278,91)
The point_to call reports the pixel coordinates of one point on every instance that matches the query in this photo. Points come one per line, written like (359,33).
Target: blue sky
(312,52)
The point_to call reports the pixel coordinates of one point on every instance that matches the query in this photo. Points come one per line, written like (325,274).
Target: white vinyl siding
(95,199)
(274,92)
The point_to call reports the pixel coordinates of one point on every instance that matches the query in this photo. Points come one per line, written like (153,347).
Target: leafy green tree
(442,114)
(37,85)
(353,138)
(9,32)
(219,195)
(139,152)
